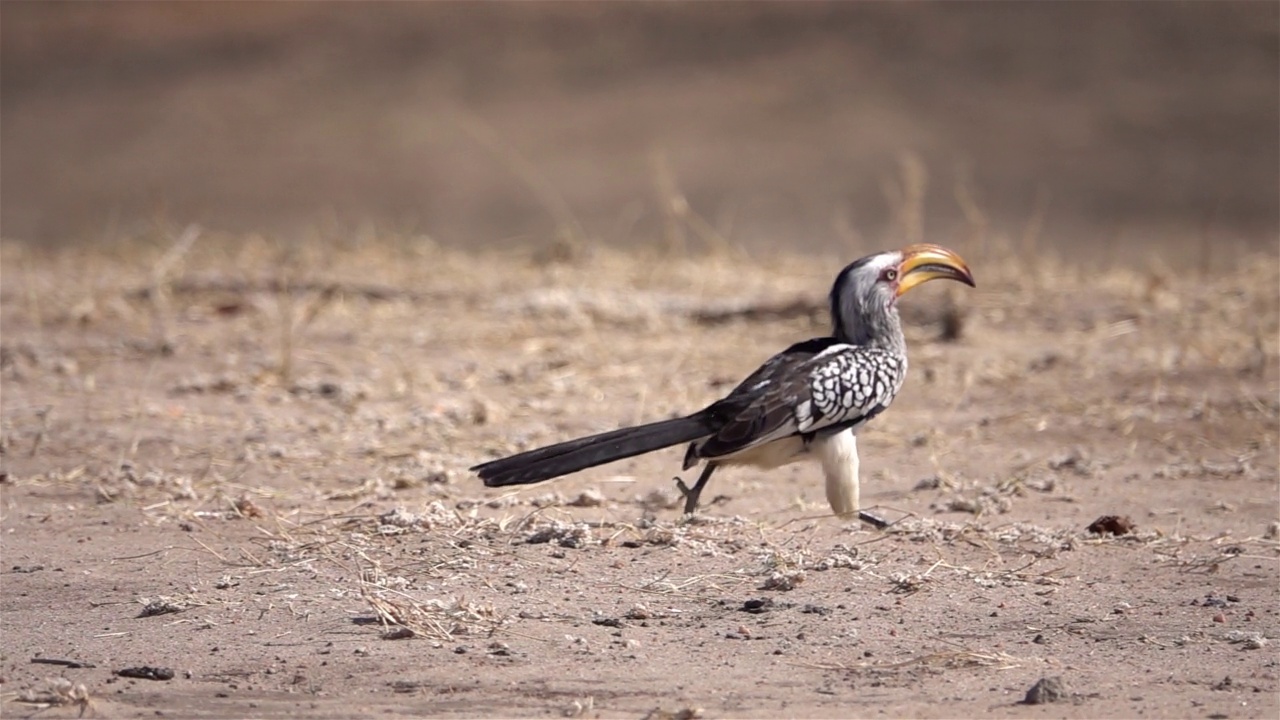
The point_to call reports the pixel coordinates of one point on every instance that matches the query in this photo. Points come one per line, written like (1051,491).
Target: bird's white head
(864,296)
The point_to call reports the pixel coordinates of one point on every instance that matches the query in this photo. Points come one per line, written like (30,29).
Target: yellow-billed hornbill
(806,402)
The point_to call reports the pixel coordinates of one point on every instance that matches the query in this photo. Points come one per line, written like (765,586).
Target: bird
(807,402)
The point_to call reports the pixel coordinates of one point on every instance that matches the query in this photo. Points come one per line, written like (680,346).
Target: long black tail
(574,455)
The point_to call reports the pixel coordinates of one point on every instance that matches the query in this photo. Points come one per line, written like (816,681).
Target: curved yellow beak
(924,262)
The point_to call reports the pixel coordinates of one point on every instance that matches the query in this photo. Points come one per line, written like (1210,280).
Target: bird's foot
(690,495)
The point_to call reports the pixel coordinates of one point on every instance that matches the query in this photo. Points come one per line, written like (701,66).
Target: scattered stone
(783,581)
(933,482)
(247,508)
(688,713)
(204,383)
(758,606)
(841,556)
(1044,362)
(1046,690)
(588,498)
(1111,525)
(660,500)
(161,606)
(146,672)
(405,686)
(1248,640)
(1045,484)
(608,622)
(638,612)
(1076,459)
(565,535)
(398,517)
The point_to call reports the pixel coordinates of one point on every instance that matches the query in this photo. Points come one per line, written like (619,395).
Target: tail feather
(574,455)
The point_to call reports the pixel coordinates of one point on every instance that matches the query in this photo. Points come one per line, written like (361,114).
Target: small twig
(43,414)
(63,663)
(213,552)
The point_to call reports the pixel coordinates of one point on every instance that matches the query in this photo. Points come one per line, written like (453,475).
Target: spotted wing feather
(806,389)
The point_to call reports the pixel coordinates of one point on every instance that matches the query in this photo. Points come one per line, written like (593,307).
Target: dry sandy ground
(245,463)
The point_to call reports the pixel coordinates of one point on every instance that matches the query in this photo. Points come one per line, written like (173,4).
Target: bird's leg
(691,495)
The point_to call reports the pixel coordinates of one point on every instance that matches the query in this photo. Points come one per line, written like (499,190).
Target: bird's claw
(690,495)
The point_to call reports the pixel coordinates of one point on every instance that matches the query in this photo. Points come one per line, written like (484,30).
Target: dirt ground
(244,462)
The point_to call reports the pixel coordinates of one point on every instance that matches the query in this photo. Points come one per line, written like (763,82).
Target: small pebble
(1046,690)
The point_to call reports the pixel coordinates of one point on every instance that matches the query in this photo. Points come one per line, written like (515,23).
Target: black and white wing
(815,386)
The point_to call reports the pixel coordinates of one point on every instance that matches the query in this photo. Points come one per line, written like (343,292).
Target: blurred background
(1104,129)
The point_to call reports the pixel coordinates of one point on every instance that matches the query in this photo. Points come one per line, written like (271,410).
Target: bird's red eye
(889,275)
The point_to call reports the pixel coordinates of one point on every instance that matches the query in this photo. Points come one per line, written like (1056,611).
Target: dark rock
(1046,690)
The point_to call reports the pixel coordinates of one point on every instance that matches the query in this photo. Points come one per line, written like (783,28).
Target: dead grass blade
(434,619)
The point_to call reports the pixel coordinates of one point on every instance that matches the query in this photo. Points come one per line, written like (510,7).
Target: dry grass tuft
(435,619)
(944,659)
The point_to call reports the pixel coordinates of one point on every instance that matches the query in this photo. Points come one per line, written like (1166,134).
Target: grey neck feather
(862,313)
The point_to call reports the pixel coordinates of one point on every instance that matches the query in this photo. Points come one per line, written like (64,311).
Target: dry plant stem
(284,307)
(571,231)
(906,195)
(43,414)
(679,214)
(1031,233)
(160,305)
(138,412)
(668,201)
